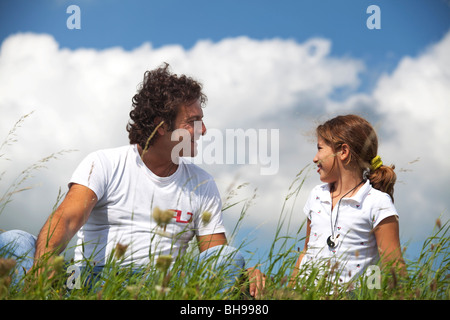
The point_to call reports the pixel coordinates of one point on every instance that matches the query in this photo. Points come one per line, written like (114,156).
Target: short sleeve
(210,202)
(309,202)
(91,173)
(383,209)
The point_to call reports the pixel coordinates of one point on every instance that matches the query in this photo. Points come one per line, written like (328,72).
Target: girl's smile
(325,161)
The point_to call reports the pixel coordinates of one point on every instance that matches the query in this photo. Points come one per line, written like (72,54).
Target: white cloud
(416,98)
(82,99)
(410,109)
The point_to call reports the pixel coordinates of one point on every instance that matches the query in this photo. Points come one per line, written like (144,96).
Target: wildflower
(163,262)
(120,250)
(206,217)
(162,217)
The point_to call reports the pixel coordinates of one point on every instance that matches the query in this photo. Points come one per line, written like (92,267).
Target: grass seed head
(162,217)
(206,217)
(438,223)
(120,250)
(163,262)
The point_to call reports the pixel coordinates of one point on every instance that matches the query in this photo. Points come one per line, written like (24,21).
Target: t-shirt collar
(158,179)
(325,194)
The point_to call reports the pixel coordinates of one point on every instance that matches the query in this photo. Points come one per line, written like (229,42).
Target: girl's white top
(353,225)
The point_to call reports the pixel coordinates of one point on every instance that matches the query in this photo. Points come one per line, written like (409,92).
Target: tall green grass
(188,279)
(428,278)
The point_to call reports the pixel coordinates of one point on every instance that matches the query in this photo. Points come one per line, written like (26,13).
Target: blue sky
(376,69)
(407,26)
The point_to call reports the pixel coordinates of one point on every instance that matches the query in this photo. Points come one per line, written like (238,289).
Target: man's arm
(211,240)
(68,218)
(256,278)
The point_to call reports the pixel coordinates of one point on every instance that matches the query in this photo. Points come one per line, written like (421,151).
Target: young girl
(351,217)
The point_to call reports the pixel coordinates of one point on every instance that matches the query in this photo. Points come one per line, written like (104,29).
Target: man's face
(188,127)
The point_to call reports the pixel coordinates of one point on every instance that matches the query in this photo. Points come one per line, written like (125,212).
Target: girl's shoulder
(378,196)
(380,206)
(321,188)
(320,191)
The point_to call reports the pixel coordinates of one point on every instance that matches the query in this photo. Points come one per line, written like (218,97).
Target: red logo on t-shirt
(179,216)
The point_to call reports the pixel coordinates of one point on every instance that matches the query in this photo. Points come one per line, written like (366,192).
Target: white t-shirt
(357,217)
(127,193)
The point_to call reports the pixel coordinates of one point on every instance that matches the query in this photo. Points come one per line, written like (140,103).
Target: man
(116,196)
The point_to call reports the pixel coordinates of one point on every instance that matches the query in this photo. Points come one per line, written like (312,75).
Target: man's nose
(203,129)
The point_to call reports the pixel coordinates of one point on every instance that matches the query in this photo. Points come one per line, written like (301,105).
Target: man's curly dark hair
(160,95)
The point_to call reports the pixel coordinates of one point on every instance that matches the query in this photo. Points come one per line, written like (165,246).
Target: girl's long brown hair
(362,140)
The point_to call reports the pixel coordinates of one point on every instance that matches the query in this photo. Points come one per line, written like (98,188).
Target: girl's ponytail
(382,177)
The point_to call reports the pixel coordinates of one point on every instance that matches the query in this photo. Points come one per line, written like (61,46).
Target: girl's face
(326,162)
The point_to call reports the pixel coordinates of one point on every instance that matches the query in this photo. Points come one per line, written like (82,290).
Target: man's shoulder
(115,151)
(109,158)
(112,154)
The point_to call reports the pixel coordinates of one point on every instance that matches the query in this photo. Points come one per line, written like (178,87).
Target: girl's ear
(344,154)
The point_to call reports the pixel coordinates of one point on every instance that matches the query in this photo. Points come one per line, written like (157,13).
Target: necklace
(333,241)
(171,169)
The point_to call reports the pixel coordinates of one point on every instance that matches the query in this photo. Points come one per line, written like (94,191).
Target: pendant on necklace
(332,242)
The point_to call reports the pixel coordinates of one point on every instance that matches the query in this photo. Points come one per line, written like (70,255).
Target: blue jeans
(20,245)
